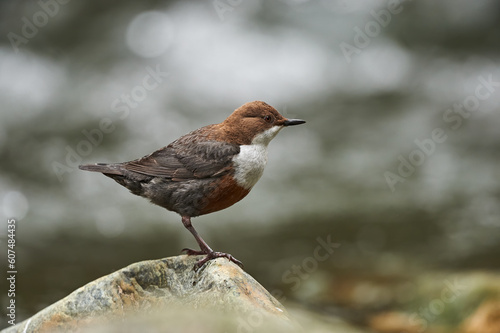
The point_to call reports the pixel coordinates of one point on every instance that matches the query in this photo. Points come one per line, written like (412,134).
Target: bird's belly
(195,197)
(225,192)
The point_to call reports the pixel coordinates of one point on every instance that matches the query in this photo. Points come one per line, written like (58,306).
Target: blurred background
(394,177)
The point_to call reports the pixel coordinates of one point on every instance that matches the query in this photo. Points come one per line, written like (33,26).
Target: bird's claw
(191,252)
(210,256)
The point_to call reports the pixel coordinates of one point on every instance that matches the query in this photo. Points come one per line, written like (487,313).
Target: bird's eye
(268,119)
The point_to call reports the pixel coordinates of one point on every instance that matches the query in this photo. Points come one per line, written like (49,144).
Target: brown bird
(206,170)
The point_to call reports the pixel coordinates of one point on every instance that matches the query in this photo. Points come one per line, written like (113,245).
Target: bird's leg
(204,248)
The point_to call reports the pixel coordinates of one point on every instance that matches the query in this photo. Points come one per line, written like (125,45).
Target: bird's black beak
(291,122)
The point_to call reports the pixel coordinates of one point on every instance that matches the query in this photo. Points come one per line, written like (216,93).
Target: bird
(204,171)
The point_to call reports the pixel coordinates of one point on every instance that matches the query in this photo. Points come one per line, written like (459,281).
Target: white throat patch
(250,162)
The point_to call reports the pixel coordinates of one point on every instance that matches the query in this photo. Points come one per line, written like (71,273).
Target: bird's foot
(210,255)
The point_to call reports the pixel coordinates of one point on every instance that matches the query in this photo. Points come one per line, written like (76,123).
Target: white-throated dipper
(206,170)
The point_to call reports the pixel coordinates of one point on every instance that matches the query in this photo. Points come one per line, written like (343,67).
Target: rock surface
(167,294)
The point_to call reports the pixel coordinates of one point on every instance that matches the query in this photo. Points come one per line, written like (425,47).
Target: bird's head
(256,123)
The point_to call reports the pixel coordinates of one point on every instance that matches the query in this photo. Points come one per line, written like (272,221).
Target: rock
(165,295)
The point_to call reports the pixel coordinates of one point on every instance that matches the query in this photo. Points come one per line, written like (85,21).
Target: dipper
(206,170)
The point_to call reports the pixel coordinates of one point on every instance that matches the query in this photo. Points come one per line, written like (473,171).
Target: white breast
(250,162)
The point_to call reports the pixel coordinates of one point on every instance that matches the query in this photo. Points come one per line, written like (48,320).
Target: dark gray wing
(190,157)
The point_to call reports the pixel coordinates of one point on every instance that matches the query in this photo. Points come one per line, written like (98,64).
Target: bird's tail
(109,169)
(124,177)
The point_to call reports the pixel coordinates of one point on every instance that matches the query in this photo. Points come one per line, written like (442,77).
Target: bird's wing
(189,157)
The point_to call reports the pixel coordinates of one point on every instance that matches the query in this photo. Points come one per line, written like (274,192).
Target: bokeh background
(398,164)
